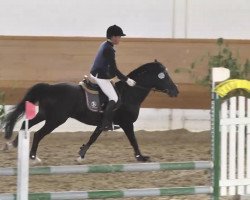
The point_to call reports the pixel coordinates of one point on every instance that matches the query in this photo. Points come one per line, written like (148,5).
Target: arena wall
(25,61)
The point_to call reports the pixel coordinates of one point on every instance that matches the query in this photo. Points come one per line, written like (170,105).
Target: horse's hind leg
(84,148)
(48,127)
(38,118)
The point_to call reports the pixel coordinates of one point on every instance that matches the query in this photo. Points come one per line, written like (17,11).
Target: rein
(150,89)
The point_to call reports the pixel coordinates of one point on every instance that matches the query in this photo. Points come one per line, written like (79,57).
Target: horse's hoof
(83,150)
(36,161)
(7,146)
(142,158)
(79,160)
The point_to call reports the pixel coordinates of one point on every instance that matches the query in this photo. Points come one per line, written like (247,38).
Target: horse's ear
(156,60)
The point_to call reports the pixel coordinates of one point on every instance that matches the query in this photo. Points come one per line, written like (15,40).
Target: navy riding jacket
(104,66)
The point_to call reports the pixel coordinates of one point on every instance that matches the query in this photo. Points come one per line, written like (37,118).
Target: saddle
(96,100)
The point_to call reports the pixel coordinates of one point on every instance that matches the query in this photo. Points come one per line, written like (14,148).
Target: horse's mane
(148,67)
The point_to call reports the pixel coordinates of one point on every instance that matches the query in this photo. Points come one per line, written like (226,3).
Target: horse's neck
(133,95)
(141,95)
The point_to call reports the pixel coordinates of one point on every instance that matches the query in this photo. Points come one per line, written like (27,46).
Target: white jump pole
(23,154)
(23,163)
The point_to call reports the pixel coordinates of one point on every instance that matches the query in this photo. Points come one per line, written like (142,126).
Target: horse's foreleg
(129,131)
(84,148)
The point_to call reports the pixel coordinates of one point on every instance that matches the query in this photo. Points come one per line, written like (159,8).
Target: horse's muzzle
(173,93)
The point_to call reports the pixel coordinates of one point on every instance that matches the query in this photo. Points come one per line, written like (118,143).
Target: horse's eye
(161,75)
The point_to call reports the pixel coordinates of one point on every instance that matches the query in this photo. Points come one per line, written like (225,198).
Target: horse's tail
(33,95)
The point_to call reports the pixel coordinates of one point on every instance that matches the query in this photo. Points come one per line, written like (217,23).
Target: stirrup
(115,127)
(111,127)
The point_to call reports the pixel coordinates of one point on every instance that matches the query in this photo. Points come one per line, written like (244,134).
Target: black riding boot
(107,122)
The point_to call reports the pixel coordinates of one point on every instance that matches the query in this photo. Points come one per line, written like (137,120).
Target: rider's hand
(131,82)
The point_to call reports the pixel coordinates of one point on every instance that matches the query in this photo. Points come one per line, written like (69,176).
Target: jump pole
(219,74)
(112,168)
(23,154)
(23,163)
(104,194)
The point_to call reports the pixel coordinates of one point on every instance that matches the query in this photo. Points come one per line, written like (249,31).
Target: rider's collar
(110,42)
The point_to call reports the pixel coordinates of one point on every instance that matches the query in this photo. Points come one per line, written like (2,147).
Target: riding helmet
(114,31)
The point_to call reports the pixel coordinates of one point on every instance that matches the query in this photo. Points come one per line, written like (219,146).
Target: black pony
(60,101)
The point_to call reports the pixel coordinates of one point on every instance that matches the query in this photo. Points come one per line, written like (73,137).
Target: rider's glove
(131,82)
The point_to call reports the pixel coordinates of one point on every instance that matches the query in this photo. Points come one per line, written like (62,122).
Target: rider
(105,68)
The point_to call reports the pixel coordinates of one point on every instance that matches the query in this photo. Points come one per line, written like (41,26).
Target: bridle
(166,91)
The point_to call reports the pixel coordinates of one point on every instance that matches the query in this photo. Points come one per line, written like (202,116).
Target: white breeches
(106,87)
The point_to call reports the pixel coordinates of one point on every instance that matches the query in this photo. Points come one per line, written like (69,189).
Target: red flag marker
(30,110)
